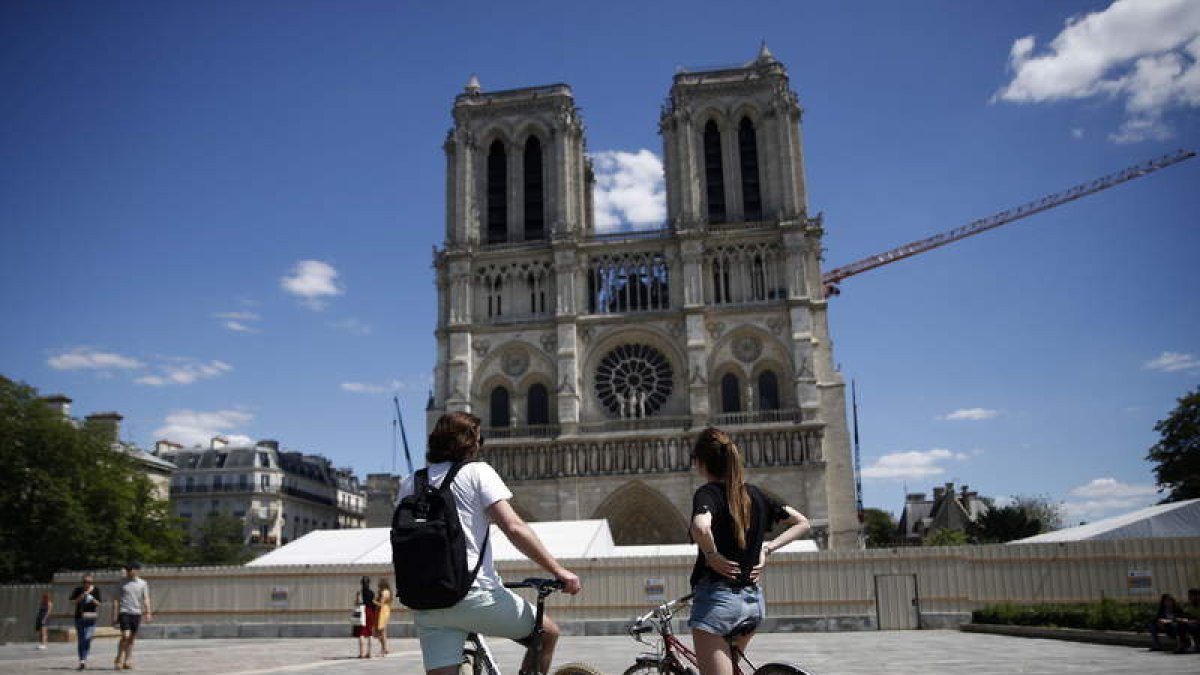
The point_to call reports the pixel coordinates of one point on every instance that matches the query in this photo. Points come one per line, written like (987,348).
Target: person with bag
(364,617)
(86,598)
(442,557)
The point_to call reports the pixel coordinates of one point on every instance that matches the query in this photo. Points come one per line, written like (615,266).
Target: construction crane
(832,278)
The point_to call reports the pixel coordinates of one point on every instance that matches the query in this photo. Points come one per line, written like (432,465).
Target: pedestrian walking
(45,607)
(130,606)
(383,605)
(366,626)
(86,598)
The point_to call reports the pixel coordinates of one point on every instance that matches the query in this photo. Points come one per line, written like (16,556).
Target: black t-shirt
(764,513)
(368,596)
(85,606)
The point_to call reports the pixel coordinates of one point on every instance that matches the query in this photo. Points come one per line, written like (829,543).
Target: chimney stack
(218,442)
(107,423)
(59,403)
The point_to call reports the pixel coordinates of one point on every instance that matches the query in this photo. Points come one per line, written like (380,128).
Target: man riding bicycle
(488,608)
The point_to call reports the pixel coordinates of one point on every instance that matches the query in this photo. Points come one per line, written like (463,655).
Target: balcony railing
(758,417)
(233,487)
(638,424)
(528,431)
(636,455)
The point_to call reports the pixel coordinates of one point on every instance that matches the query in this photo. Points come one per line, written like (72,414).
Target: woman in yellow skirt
(383,600)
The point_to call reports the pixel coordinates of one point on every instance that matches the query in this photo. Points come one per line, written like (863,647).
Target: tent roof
(566,539)
(1177,519)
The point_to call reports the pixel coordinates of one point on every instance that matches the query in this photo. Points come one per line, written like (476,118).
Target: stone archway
(638,514)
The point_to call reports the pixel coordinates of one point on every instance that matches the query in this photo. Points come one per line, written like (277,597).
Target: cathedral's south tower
(594,358)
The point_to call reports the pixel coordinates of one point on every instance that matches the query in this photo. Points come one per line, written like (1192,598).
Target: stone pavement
(857,653)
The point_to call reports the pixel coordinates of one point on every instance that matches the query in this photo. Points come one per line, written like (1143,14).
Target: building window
(265,481)
(535,218)
(499,408)
(714,176)
(264,460)
(768,391)
(748,154)
(628,282)
(538,402)
(634,380)
(497,194)
(731,395)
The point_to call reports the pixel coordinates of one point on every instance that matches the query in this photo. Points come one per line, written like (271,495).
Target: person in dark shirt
(366,597)
(86,599)
(730,522)
(1164,620)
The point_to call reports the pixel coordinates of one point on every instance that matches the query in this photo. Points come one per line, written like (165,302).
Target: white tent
(1177,519)
(566,539)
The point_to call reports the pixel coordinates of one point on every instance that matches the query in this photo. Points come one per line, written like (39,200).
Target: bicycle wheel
(577,669)
(779,669)
(659,668)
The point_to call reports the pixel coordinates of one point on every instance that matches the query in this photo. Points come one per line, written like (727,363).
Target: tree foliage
(1004,523)
(72,502)
(946,537)
(1177,454)
(879,528)
(220,540)
(1041,508)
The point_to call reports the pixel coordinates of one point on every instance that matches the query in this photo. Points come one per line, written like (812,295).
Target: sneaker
(41,646)
(82,665)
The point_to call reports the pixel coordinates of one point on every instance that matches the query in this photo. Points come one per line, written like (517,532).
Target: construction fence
(827,590)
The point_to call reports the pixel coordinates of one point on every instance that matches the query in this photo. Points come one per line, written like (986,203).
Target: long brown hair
(722,459)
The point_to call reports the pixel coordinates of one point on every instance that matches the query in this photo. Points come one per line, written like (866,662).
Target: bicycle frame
(481,657)
(667,658)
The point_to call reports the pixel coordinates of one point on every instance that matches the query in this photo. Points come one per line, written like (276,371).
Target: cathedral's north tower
(594,358)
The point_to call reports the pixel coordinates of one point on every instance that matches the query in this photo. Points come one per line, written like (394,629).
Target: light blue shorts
(498,612)
(718,608)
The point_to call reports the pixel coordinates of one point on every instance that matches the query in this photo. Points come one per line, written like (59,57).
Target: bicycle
(478,658)
(672,657)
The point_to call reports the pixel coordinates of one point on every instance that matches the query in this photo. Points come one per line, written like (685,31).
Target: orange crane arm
(832,277)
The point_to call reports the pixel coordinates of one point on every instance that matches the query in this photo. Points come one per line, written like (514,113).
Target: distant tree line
(73,502)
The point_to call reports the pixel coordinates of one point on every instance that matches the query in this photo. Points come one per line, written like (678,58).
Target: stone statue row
(632,405)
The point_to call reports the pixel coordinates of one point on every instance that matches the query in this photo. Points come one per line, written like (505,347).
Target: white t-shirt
(132,595)
(476,487)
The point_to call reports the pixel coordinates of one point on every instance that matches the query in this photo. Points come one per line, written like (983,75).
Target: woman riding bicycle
(730,519)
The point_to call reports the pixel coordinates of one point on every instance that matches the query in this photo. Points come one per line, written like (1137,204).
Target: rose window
(633,380)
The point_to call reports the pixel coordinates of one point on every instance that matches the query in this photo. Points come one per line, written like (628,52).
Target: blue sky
(218,217)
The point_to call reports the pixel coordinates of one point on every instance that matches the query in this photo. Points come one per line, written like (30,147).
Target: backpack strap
(445,486)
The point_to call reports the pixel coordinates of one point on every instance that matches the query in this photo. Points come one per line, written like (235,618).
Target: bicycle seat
(746,627)
(542,585)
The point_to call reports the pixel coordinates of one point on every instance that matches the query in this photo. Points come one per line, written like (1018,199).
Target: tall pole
(857,455)
(403,436)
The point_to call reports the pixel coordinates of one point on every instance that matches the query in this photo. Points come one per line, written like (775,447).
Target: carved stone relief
(747,348)
(515,362)
(481,347)
(549,343)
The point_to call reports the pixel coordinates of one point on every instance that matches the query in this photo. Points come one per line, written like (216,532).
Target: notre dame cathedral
(594,358)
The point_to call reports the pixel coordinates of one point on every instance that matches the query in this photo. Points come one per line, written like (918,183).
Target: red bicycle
(672,657)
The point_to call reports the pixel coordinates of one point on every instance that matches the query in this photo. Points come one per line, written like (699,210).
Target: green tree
(1176,455)
(220,540)
(879,528)
(72,501)
(1004,523)
(1041,508)
(946,537)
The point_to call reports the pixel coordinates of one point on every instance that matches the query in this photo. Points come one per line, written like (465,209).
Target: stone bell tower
(594,358)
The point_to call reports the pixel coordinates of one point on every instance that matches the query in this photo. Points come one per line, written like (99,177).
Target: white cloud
(1144,52)
(1103,497)
(88,358)
(911,464)
(970,414)
(184,371)
(314,282)
(353,326)
(373,388)
(239,322)
(630,192)
(1173,362)
(1077,133)
(192,427)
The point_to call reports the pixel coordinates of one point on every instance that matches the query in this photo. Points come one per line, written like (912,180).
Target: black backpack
(429,551)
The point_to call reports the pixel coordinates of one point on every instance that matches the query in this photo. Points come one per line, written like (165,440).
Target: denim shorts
(719,608)
(497,612)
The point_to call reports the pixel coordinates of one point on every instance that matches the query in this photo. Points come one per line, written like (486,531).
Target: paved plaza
(859,653)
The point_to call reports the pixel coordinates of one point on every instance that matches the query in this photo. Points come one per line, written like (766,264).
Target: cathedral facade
(594,358)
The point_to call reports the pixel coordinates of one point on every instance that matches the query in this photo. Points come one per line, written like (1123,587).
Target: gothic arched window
(499,408)
(538,403)
(748,154)
(497,194)
(535,219)
(714,176)
(731,395)
(768,391)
